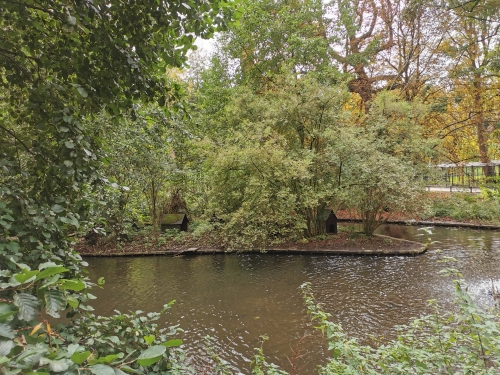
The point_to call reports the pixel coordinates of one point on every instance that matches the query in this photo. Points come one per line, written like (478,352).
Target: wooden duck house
(330,220)
(175,221)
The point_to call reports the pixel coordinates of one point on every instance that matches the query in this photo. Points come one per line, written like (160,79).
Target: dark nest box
(330,221)
(175,221)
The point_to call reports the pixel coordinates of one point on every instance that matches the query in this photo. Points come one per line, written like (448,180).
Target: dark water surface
(237,298)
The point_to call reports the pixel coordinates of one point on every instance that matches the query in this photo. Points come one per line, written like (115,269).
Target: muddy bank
(342,243)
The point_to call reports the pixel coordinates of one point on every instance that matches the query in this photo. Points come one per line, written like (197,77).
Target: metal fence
(464,175)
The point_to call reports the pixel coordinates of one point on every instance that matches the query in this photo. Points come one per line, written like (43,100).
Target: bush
(465,207)
(200,228)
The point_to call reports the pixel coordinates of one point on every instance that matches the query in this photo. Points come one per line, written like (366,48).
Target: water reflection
(237,298)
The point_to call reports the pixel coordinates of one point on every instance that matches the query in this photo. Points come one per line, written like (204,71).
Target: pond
(237,298)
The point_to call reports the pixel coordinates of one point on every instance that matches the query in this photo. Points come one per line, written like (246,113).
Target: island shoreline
(394,247)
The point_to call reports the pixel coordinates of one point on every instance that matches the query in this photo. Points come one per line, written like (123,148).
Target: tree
(415,59)
(361,30)
(278,161)
(382,177)
(276,37)
(472,36)
(62,63)
(141,159)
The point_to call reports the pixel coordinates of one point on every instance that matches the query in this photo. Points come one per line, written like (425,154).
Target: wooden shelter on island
(330,220)
(175,221)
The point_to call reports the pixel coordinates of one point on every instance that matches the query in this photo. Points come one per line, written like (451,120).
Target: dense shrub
(464,207)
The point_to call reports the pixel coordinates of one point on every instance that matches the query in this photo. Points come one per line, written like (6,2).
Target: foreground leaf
(28,306)
(151,355)
(55,301)
(172,343)
(6,331)
(75,285)
(6,346)
(102,370)
(50,271)
(81,357)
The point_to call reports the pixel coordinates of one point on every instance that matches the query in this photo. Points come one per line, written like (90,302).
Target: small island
(343,243)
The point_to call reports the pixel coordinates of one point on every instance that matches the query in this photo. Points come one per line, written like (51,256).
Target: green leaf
(151,355)
(149,339)
(58,365)
(102,370)
(109,358)
(73,302)
(73,348)
(5,224)
(69,144)
(6,312)
(57,207)
(76,285)
(55,301)
(82,91)
(50,271)
(13,246)
(44,265)
(6,346)
(130,369)
(32,355)
(75,222)
(114,339)
(6,331)
(25,275)
(81,357)
(172,343)
(28,306)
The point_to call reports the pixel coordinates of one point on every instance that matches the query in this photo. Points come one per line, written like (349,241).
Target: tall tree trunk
(479,124)
(362,85)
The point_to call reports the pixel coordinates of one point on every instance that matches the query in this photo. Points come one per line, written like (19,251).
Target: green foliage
(61,64)
(276,37)
(381,186)
(465,207)
(390,153)
(260,364)
(99,345)
(278,162)
(140,162)
(278,158)
(464,341)
(118,338)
